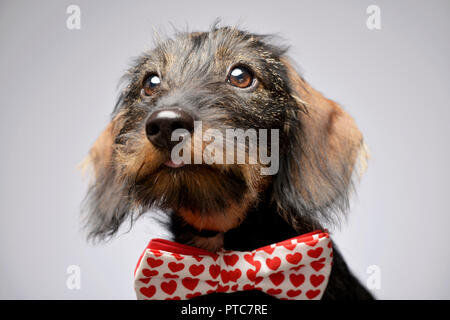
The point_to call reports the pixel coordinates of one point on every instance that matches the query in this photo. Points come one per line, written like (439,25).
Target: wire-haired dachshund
(220,81)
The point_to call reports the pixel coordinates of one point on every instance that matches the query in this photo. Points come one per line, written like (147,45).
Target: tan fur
(100,154)
(139,158)
(328,127)
(219,221)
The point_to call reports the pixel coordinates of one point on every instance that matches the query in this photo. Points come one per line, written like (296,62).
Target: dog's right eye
(240,77)
(150,84)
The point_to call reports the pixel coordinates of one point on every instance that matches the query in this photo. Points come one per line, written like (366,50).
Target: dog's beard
(199,188)
(207,196)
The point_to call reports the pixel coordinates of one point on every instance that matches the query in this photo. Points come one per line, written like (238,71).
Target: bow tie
(294,269)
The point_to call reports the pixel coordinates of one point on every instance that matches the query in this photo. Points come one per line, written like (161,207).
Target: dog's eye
(240,77)
(150,84)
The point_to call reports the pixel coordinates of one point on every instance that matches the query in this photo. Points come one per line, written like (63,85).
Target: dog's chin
(207,197)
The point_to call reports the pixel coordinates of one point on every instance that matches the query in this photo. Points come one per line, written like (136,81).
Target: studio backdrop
(385,62)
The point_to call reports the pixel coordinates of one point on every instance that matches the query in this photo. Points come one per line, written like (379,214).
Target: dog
(226,78)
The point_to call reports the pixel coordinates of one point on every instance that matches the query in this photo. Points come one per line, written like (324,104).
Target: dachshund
(225,79)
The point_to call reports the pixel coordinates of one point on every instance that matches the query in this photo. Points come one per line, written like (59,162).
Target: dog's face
(224,79)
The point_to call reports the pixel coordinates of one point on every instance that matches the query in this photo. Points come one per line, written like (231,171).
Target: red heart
(169,287)
(293,293)
(235,275)
(311,294)
(198,258)
(316,280)
(214,270)
(273,263)
(195,269)
(190,283)
(317,265)
(222,289)
(277,278)
(231,275)
(234,288)
(156,253)
(231,259)
(248,287)
(297,268)
(294,258)
(258,280)
(274,292)
(255,263)
(177,256)
(149,273)
(193,295)
(315,253)
(148,292)
(225,276)
(175,267)
(297,279)
(154,262)
(312,243)
(290,246)
(251,275)
(212,283)
(170,276)
(174,298)
(144,280)
(249,259)
(268,249)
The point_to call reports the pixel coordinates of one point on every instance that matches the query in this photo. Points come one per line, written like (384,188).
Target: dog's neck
(262,226)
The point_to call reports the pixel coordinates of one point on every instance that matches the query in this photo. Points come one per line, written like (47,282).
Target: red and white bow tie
(295,269)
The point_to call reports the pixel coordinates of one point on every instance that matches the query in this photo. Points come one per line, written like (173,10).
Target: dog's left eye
(150,84)
(240,77)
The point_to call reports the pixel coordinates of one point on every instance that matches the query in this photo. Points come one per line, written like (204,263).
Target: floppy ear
(100,154)
(324,149)
(106,204)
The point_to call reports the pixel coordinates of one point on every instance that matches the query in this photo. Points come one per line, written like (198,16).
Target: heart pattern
(196,269)
(295,269)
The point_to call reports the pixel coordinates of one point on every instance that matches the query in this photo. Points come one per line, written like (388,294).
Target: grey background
(58,87)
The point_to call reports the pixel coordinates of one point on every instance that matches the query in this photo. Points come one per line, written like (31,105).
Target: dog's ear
(100,154)
(106,204)
(324,149)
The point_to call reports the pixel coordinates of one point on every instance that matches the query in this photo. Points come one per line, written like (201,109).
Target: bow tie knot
(297,268)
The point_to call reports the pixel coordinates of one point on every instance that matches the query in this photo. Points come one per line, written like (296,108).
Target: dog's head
(215,82)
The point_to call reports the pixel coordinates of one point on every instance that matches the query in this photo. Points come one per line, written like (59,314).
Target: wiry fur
(320,145)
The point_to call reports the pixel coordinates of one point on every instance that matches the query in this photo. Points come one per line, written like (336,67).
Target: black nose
(162,123)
